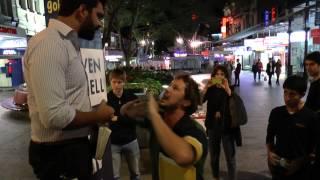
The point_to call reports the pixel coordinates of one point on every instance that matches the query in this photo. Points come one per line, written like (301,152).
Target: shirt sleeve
(48,64)
(271,131)
(197,139)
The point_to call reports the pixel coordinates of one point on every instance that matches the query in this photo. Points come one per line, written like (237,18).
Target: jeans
(132,154)
(237,79)
(215,139)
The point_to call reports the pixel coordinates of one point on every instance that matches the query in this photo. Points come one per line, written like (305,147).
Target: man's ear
(82,12)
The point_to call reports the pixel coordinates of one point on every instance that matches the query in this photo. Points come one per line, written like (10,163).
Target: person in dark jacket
(123,136)
(291,133)
(218,122)
(270,70)
(254,70)
(312,66)
(278,66)
(237,74)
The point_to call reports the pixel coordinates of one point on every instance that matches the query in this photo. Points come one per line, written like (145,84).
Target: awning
(243,34)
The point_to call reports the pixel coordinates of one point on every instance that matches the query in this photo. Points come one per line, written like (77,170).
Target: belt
(62,142)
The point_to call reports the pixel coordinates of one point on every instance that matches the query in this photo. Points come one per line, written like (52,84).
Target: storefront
(12,47)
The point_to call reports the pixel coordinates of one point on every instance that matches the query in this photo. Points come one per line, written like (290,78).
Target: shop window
(4,8)
(31,6)
(23,4)
(37,6)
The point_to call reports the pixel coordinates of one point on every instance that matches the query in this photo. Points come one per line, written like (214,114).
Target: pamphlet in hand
(103,138)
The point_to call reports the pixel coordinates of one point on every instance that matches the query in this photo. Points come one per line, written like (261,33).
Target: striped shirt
(57,84)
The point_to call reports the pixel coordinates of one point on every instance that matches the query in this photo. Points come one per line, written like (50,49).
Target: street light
(195,44)
(143,42)
(179,40)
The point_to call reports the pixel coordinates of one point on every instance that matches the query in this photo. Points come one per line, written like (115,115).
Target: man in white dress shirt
(60,110)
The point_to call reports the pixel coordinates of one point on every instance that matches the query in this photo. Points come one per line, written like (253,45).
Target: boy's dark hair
(118,73)
(67,7)
(191,92)
(296,83)
(314,56)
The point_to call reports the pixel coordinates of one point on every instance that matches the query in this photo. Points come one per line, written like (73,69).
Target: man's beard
(87,30)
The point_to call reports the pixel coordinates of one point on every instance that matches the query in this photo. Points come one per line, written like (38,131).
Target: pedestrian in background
(260,68)
(254,70)
(59,105)
(229,68)
(237,74)
(270,70)
(123,137)
(291,133)
(218,122)
(278,66)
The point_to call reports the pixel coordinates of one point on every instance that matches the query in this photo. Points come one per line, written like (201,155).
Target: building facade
(265,30)
(19,19)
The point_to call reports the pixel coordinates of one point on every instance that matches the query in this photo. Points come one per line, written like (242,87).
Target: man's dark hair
(118,73)
(67,7)
(314,56)
(191,92)
(296,83)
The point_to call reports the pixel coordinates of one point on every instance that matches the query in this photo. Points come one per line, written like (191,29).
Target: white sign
(93,63)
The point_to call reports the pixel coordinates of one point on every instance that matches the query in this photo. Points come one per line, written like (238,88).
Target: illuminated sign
(317,17)
(51,9)
(9,52)
(273,15)
(12,52)
(266,17)
(315,33)
(224,27)
(8,30)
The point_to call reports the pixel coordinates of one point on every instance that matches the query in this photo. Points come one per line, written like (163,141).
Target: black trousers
(66,159)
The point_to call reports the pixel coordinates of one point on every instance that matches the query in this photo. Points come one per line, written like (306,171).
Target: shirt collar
(65,30)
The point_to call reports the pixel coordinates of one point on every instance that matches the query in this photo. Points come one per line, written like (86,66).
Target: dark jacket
(124,129)
(270,68)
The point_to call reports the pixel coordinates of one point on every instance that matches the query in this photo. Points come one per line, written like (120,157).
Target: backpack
(237,111)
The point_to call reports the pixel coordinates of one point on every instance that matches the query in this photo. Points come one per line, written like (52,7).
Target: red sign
(8,30)
(315,33)
(273,15)
(224,27)
(316,40)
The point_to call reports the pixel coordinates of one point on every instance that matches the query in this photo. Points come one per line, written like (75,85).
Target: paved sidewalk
(258,97)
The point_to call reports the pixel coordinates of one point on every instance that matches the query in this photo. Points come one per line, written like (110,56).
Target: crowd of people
(62,118)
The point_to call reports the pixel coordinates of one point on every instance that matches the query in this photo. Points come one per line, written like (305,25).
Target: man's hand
(217,115)
(153,107)
(134,109)
(273,158)
(104,112)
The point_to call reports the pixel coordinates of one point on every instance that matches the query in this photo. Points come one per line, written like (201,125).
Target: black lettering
(96,83)
(91,65)
(92,86)
(101,85)
(97,65)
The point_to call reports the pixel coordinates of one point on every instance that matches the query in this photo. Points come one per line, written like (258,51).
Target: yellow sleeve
(197,146)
